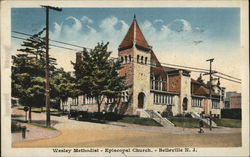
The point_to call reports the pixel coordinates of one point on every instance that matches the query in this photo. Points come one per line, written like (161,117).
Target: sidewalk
(33,132)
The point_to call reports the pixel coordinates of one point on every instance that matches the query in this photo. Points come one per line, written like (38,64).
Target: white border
(5,71)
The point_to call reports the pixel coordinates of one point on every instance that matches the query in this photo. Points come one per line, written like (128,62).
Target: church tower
(135,54)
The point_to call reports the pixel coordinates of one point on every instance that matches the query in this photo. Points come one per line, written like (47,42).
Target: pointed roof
(134,36)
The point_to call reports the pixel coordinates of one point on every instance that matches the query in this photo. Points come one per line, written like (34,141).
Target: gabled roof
(202,90)
(134,35)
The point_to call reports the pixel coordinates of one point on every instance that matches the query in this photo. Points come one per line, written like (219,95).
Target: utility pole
(210,90)
(47,92)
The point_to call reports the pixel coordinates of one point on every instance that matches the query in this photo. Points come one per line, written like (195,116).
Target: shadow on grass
(99,121)
(16,116)
(43,122)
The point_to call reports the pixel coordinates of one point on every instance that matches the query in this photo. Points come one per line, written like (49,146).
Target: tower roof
(134,36)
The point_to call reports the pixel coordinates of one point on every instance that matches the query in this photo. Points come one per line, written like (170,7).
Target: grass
(232,123)
(140,121)
(36,109)
(42,126)
(186,122)
(15,127)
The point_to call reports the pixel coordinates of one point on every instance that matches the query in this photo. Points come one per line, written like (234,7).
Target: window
(152,81)
(111,100)
(196,102)
(146,60)
(122,60)
(125,96)
(160,83)
(126,59)
(90,100)
(138,57)
(130,59)
(163,99)
(156,82)
(141,59)
(215,104)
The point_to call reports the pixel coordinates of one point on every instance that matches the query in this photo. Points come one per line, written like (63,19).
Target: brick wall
(235,101)
(174,83)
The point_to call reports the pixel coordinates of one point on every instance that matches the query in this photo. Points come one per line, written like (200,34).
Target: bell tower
(135,54)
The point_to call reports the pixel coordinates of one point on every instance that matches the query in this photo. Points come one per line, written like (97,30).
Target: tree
(98,76)
(28,72)
(64,86)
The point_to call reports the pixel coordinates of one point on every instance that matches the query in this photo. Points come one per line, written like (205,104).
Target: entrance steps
(157,117)
(205,120)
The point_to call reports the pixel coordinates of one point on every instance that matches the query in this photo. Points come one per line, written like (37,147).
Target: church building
(154,87)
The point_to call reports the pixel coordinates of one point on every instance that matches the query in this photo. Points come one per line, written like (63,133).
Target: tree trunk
(99,104)
(29,114)
(63,103)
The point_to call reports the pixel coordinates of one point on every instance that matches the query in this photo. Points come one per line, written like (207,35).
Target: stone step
(157,117)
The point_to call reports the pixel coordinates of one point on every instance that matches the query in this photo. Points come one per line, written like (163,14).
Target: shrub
(15,127)
(233,113)
(111,116)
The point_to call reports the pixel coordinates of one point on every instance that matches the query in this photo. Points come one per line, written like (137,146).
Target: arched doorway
(141,100)
(184,104)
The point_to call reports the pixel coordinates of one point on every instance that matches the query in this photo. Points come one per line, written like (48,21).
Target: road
(86,134)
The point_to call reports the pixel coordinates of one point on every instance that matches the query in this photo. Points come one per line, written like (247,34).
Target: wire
(229,76)
(200,70)
(49,44)
(184,66)
(54,41)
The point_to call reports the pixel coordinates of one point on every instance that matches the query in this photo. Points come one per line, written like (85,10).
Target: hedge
(232,113)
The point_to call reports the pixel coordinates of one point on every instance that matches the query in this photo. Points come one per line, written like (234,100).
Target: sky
(183,36)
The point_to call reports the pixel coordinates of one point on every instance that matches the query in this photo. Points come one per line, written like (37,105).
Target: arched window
(152,81)
(141,59)
(122,59)
(156,83)
(126,59)
(160,83)
(146,60)
(138,57)
(130,59)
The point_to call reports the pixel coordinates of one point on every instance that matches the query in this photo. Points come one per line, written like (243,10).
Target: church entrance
(141,100)
(184,104)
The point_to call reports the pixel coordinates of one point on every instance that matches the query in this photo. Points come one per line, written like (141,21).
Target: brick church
(154,87)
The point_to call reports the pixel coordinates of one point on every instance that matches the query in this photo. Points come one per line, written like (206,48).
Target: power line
(26,34)
(227,79)
(49,44)
(229,76)
(200,70)
(184,66)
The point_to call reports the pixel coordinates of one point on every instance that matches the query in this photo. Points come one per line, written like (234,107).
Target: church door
(141,100)
(184,104)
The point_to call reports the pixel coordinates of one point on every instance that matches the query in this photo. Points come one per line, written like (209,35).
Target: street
(72,133)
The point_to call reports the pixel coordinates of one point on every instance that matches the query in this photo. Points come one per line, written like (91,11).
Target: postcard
(124,78)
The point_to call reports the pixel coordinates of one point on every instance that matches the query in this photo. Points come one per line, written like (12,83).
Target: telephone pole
(210,89)
(47,92)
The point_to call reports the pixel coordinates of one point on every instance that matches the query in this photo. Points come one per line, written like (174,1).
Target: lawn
(186,122)
(232,123)
(37,109)
(140,121)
